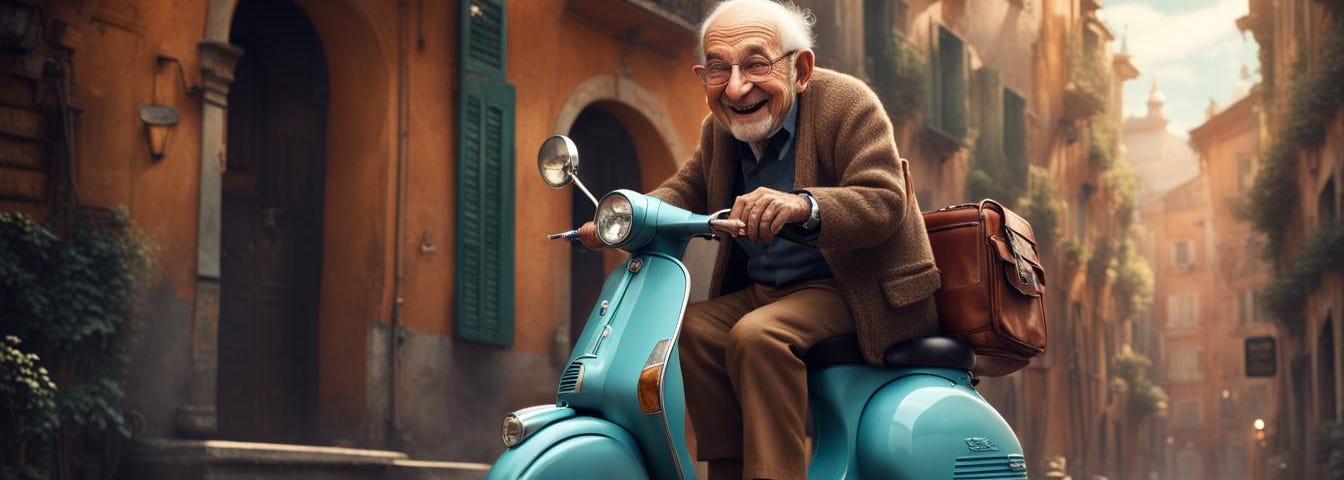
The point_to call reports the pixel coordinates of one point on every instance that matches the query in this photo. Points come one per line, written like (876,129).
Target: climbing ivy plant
(68,299)
(1315,98)
(1285,294)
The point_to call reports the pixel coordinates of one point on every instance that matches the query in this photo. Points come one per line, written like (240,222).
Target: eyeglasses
(756,68)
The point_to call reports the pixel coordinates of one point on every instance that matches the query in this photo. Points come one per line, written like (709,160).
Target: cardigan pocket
(909,284)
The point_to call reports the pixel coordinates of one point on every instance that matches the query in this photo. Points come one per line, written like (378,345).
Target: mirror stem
(584,189)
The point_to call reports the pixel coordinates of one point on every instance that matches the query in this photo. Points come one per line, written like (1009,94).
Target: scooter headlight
(512,430)
(614,219)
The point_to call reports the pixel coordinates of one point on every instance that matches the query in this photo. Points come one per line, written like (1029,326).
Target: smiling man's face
(751,111)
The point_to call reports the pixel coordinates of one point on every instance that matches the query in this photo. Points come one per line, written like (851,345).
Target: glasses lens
(716,73)
(757,67)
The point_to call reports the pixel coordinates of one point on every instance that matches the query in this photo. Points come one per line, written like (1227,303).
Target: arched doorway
(271,227)
(607,161)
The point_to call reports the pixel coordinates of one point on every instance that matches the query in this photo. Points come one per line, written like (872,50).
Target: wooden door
(271,242)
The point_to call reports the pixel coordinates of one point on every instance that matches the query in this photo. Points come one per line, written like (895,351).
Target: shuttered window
(947,106)
(1015,134)
(485,170)
(989,100)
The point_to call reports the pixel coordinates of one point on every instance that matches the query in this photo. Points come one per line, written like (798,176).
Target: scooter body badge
(980,444)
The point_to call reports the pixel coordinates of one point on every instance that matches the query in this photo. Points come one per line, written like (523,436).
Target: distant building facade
(1298,188)
(1227,143)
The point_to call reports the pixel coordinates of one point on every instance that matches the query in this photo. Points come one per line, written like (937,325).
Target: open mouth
(748,109)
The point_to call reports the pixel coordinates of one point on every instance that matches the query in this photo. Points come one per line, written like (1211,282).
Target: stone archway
(656,141)
(355,287)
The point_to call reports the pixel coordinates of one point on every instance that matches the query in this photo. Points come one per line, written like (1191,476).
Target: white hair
(794,23)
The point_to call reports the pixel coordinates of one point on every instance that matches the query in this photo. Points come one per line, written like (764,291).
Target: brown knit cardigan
(872,232)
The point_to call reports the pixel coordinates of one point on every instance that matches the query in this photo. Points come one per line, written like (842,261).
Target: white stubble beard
(752,132)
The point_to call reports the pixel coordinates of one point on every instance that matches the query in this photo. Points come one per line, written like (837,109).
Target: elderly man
(790,147)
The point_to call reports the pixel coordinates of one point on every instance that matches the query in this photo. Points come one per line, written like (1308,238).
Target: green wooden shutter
(933,99)
(952,76)
(989,100)
(485,171)
(1015,134)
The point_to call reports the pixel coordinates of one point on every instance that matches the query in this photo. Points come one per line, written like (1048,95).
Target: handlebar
(572,235)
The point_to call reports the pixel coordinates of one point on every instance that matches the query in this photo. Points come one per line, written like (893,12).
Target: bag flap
(1025,274)
(1014,222)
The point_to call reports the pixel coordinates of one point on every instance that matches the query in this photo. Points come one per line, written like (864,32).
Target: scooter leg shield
(926,426)
(581,447)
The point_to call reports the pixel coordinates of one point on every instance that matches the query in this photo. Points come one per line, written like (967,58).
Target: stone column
(198,418)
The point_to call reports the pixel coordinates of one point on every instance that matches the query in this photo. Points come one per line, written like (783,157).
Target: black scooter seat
(929,352)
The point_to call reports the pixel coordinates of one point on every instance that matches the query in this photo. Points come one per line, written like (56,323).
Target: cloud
(1177,73)
(1156,37)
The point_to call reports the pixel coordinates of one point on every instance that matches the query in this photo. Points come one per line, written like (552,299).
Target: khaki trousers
(746,387)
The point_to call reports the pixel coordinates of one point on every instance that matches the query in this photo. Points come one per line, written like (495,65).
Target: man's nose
(738,85)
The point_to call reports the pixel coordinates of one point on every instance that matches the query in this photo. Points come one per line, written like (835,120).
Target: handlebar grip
(572,235)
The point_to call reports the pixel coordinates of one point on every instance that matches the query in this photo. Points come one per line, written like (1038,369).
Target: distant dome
(1156,100)
(1155,95)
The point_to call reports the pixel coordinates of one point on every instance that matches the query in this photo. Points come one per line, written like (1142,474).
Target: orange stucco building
(1227,143)
(306,208)
(1300,43)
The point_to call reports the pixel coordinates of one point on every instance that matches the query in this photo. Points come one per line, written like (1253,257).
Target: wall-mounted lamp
(18,25)
(158,121)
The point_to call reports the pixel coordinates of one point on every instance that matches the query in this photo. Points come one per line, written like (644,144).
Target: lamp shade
(158,121)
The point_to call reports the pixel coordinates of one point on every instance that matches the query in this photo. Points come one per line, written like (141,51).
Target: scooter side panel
(929,426)
(645,306)
(580,447)
(837,397)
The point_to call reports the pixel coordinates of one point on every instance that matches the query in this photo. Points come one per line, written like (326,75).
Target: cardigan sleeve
(869,201)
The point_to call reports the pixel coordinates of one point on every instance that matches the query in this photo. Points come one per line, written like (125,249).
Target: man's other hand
(765,211)
(588,237)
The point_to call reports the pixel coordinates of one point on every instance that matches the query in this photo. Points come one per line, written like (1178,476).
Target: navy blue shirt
(781,262)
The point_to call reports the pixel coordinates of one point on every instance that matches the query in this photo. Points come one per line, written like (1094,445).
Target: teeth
(747,108)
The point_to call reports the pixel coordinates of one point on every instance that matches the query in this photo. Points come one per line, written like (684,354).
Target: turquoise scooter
(620,412)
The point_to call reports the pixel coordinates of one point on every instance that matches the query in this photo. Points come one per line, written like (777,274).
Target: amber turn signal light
(650,384)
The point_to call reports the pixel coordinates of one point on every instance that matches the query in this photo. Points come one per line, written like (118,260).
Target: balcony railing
(665,26)
(1089,84)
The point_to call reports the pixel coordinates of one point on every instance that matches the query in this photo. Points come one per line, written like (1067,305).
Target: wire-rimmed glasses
(756,68)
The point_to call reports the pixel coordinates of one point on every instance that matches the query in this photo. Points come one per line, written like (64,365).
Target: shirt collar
(790,124)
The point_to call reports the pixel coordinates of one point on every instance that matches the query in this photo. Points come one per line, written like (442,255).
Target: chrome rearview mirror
(558,162)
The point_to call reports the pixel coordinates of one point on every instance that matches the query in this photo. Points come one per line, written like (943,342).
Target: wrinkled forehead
(740,32)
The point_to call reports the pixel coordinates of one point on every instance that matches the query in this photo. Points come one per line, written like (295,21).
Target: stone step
(428,470)
(227,460)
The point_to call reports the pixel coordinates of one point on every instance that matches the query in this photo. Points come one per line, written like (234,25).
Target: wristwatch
(814,219)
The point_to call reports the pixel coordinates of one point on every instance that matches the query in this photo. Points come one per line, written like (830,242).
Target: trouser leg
(769,378)
(710,400)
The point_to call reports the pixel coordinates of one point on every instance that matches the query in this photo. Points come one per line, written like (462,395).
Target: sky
(1192,48)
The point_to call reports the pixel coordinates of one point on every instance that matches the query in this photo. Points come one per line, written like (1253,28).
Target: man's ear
(803,66)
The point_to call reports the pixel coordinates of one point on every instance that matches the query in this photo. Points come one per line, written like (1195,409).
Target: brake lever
(738,228)
(718,222)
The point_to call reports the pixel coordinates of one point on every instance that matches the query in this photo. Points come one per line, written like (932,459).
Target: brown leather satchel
(993,284)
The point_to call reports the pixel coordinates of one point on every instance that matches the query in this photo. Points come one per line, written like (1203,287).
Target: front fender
(927,426)
(579,447)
